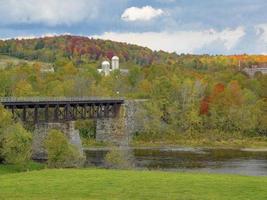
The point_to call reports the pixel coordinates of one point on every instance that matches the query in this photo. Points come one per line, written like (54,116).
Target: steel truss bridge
(61,109)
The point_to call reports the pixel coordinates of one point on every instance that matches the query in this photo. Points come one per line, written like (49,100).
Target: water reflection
(190,159)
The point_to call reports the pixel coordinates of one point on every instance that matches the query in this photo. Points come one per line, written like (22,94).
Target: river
(228,161)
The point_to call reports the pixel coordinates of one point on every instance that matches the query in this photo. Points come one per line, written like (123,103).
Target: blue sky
(182,26)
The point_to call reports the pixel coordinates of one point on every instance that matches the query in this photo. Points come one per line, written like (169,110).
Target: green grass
(234,143)
(88,142)
(207,139)
(119,184)
(244,142)
(8,169)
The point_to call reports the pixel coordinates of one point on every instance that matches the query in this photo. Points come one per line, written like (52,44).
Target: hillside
(201,95)
(84,50)
(8,61)
(79,49)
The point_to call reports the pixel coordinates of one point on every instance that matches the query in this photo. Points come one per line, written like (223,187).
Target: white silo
(105,68)
(115,62)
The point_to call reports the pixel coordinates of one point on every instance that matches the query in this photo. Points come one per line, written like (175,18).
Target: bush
(60,152)
(15,141)
(87,128)
(16,147)
(262,119)
(118,158)
(5,121)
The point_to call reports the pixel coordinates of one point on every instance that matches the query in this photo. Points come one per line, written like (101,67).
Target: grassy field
(8,60)
(8,169)
(122,184)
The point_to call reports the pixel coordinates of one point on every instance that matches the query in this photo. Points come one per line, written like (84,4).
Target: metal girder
(57,111)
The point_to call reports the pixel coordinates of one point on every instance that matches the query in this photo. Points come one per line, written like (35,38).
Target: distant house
(47,69)
(261,68)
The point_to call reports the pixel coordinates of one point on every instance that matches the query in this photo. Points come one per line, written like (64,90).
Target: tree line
(189,93)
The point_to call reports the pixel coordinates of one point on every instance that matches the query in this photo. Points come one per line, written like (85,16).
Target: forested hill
(84,50)
(80,50)
(190,93)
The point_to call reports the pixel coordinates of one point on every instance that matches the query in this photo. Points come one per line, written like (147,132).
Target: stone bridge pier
(120,130)
(41,131)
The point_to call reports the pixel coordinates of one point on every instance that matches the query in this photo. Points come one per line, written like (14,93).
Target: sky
(181,26)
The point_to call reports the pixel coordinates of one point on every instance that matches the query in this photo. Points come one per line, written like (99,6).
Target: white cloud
(49,12)
(261,31)
(145,13)
(179,41)
(231,37)
(32,36)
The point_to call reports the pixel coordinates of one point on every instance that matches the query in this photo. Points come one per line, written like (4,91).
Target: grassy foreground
(8,169)
(122,184)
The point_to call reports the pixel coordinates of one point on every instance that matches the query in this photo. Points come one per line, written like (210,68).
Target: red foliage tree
(204,104)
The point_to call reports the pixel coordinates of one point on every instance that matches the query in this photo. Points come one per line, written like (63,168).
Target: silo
(115,62)
(105,68)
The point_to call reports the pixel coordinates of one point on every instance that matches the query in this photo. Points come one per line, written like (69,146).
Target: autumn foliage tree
(188,93)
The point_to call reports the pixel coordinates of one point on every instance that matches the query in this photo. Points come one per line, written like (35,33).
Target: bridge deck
(43,101)
(54,109)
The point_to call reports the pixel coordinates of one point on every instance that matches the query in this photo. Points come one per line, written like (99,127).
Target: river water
(229,161)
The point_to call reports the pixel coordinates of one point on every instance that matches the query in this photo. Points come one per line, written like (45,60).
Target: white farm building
(115,65)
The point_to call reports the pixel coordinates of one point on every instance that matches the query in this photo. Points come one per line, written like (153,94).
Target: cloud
(48,12)
(179,41)
(261,31)
(145,13)
(230,37)
(34,36)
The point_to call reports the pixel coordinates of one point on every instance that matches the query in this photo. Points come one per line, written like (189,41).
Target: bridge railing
(42,99)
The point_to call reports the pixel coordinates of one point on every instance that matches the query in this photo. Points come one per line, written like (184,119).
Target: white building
(47,69)
(115,62)
(106,68)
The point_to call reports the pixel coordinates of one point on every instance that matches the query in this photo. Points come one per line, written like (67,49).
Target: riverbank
(250,144)
(201,140)
(126,184)
(204,140)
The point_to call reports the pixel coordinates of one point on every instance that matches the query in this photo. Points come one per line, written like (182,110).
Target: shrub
(87,128)
(118,158)
(16,147)
(262,119)
(5,121)
(60,152)
(15,141)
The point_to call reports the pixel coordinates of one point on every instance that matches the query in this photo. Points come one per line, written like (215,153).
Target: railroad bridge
(116,119)
(59,109)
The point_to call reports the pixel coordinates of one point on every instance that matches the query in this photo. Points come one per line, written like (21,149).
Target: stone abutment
(41,131)
(118,130)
